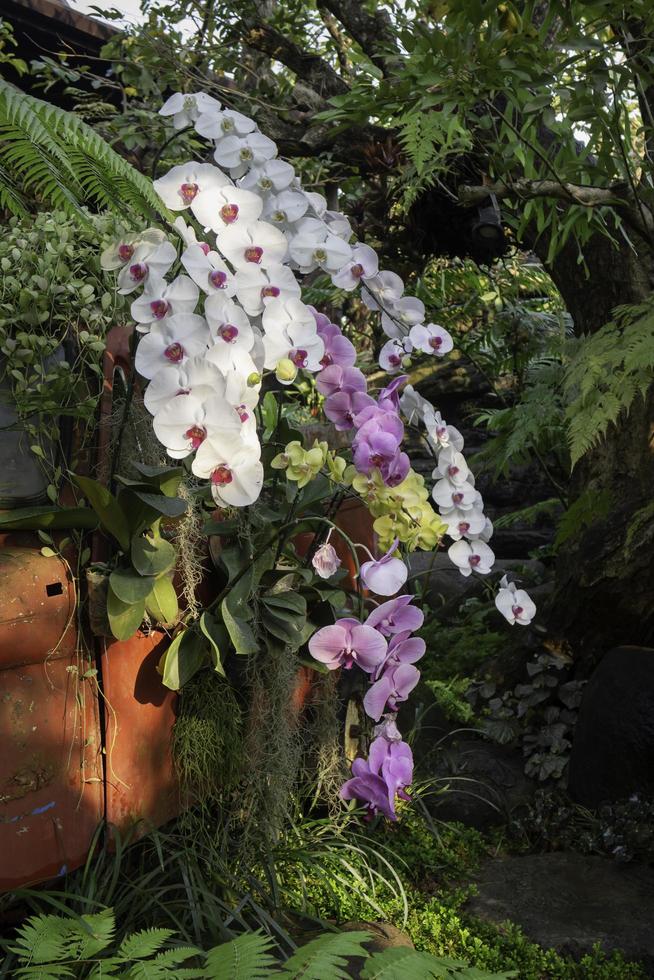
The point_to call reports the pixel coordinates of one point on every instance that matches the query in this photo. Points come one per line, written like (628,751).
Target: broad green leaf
(161,601)
(286,626)
(183,658)
(240,632)
(216,634)
(168,506)
(286,602)
(39,518)
(128,586)
(112,517)
(166,478)
(152,556)
(124,617)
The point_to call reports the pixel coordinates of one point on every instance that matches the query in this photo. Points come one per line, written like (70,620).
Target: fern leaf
(49,972)
(326,956)
(140,945)
(403,963)
(244,958)
(42,939)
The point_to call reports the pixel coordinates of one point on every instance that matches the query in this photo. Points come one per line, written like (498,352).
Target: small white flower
(515,604)
(121,252)
(231,331)
(195,375)
(431,339)
(338,224)
(238,153)
(382,291)
(290,333)
(270,177)
(465,523)
(172,341)
(452,465)
(325,561)
(223,207)
(362,264)
(469,556)
(216,124)
(398,318)
(161,299)
(209,271)
(256,287)
(393,354)
(254,244)
(184,186)
(185,422)
(315,247)
(233,468)
(449,495)
(147,261)
(185,109)
(440,434)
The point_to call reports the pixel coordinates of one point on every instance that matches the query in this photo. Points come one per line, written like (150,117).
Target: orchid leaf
(166,478)
(283,602)
(183,658)
(168,506)
(161,600)
(124,617)
(128,586)
(112,517)
(152,556)
(240,631)
(216,634)
(51,518)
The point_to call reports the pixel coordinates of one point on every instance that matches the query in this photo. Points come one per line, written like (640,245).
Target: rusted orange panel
(37,605)
(140,713)
(51,796)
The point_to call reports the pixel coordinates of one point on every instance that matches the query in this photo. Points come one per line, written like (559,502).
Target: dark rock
(570,902)
(446,588)
(613,749)
(485,783)
(383,936)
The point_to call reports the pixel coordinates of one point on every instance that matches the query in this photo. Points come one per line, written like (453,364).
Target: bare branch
(311,68)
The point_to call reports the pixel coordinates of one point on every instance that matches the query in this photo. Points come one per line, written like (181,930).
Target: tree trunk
(605,573)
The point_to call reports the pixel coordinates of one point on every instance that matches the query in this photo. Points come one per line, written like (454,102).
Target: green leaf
(124,617)
(286,602)
(244,958)
(183,658)
(326,956)
(216,634)
(111,514)
(128,586)
(168,506)
(240,632)
(140,945)
(152,556)
(166,478)
(161,601)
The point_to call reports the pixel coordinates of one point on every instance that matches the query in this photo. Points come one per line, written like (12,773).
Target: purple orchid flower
(393,687)
(402,649)
(378,449)
(389,397)
(346,643)
(373,418)
(341,407)
(387,728)
(396,616)
(338,349)
(385,575)
(396,470)
(379,779)
(336,378)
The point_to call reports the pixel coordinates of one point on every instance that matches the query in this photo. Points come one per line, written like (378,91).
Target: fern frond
(55,156)
(140,945)
(244,958)
(326,956)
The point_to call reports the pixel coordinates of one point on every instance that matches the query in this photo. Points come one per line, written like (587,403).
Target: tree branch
(311,68)
(590,197)
(373,32)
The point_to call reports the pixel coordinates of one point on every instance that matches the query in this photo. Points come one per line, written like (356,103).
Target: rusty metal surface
(140,713)
(51,797)
(37,605)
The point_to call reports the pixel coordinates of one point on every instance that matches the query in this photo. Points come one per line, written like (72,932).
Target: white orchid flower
(196,376)
(452,465)
(469,556)
(185,109)
(440,434)
(222,207)
(285,208)
(148,260)
(233,467)
(257,243)
(449,495)
(217,123)
(172,341)
(161,299)
(465,523)
(230,330)
(270,177)
(338,224)
(188,235)
(382,291)
(398,318)
(184,423)
(238,153)
(363,264)
(315,247)
(515,604)
(185,186)
(430,338)
(208,270)
(393,354)
(121,252)
(290,333)
(413,405)
(317,202)
(256,287)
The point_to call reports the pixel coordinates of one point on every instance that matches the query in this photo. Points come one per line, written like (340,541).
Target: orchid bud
(286,371)
(253,379)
